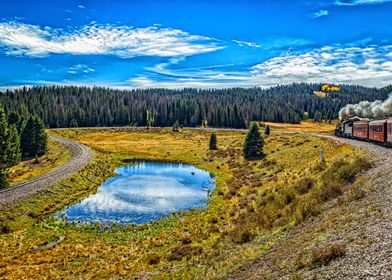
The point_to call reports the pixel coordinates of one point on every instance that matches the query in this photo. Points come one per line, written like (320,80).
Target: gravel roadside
(364,227)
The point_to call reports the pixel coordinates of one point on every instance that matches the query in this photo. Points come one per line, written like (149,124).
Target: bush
(330,190)
(242,233)
(4,228)
(181,251)
(153,259)
(345,171)
(305,209)
(304,185)
(186,240)
(213,142)
(325,255)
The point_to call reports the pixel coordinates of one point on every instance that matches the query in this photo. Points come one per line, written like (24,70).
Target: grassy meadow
(308,126)
(253,205)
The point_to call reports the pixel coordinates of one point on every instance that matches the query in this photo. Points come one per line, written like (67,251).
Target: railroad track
(81,156)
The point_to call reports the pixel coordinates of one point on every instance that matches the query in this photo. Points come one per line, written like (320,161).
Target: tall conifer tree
(253,146)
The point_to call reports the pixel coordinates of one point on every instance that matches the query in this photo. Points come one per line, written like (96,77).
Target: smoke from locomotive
(366,109)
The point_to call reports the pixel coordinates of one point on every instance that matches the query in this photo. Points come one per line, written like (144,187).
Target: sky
(189,43)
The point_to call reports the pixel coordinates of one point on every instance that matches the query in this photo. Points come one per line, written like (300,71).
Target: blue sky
(204,44)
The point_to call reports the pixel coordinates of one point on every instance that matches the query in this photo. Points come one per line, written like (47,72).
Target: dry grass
(253,203)
(324,255)
(305,126)
(57,155)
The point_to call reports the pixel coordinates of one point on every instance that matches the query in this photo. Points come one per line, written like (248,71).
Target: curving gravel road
(81,156)
(364,226)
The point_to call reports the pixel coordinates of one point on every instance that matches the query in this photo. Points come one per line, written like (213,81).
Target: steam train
(378,131)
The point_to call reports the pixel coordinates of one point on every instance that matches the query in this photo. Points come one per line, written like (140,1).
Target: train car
(378,131)
(361,129)
(389,132)
(348,129)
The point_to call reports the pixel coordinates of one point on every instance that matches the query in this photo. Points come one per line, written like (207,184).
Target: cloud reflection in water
(144,192)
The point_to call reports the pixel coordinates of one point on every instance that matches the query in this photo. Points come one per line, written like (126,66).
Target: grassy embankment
(255,202)
(56,156)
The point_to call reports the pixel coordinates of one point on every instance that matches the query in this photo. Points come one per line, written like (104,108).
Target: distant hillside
(83,106)
(387,89)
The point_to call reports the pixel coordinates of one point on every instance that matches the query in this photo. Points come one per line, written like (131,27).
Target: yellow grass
(56,156)
(251,200)
(305,126)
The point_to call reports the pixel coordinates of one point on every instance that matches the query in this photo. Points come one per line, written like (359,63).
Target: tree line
(72,106)
(19,138)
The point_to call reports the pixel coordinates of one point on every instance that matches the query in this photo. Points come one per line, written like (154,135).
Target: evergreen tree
(27,139)
(317,117)
(73,123)
(34,140)
(213,142)
(5,144)
(253,146)
(176,126)
(58,105)
(267,130)
(4,173)
(41,137)
(14,149)
(14,118)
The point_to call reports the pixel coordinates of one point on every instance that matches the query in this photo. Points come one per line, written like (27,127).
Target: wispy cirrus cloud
(320,13)
(246,44)
(359,2)
(80,68)
(21,39)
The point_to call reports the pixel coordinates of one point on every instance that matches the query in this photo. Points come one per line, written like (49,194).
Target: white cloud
(360,2)
(81,7)
(246,44)
(80,68)
(369,66)
(96,39)
(320,13)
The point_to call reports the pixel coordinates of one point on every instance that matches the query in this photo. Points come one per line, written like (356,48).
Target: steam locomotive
(377,131)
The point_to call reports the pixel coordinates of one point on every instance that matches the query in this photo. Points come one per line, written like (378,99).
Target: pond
(144,192)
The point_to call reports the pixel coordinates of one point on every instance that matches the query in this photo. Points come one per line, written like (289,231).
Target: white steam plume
(366,109)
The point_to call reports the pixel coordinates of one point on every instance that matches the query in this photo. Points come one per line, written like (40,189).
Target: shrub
(345,171)
(330,190)
(153,259)
(4,228)
(267,131)
(306,208)
(186,240)
(325,255)
(304,185)
(181,251)
(242,233)
(213,142)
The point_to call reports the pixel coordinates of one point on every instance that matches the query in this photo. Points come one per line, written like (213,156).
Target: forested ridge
(72,106)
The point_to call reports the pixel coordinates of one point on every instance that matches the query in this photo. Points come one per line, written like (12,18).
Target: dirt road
(81,155)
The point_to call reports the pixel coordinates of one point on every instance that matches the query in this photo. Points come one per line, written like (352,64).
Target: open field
(57,155)
(255,203)
(305,126)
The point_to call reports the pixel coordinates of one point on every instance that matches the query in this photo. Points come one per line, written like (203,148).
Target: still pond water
(144,192)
